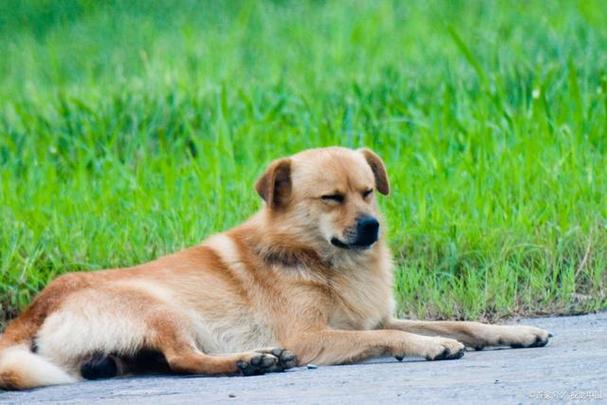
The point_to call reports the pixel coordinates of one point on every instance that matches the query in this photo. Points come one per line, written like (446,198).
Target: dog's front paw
(520,336)
(435,348)
(444,349)
(516,336)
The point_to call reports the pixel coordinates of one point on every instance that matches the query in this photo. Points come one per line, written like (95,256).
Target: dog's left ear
(274,186)
(379,170)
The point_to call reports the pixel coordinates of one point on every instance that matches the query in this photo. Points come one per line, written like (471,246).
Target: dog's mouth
(337,243)
(355,246)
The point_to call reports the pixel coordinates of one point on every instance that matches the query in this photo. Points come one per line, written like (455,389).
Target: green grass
(129,129)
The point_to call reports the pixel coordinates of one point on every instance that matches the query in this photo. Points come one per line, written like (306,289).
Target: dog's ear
(379,170)
(274,186)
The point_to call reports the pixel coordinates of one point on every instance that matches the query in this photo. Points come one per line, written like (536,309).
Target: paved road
(572,366)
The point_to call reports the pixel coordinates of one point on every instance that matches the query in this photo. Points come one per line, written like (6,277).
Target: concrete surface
(572,367)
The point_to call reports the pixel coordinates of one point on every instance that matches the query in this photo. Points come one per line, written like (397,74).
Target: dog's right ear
(274,186)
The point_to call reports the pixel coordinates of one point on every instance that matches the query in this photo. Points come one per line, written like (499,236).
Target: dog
(307,279)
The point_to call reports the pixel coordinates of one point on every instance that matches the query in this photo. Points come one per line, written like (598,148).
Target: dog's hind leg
(94,327)
(98,332)
(173,339)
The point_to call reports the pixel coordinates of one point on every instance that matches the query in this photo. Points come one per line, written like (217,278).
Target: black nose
(367,230)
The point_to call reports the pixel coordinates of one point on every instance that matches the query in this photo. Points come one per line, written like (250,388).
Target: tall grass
(132,129)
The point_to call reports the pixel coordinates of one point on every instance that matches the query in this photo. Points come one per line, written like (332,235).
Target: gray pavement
(572,367)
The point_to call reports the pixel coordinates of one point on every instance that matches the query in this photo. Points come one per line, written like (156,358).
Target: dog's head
(327,196)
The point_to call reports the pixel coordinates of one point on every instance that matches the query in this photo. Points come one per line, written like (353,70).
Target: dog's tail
(20,369)
(20,366)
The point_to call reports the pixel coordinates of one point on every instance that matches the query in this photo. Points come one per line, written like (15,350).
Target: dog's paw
(286,359)
(256,363)
(444,349)
(434,348)
(521,336)
(266,360)
(515,336)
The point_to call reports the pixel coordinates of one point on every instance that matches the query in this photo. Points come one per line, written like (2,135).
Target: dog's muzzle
(366,234)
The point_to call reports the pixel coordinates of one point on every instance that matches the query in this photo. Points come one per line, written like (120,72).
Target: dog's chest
(362,301)
(236,331)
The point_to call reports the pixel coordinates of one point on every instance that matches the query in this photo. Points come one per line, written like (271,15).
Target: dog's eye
(333,197)
(367,193)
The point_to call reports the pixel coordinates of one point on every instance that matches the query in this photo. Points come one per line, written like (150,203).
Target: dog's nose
(367,230)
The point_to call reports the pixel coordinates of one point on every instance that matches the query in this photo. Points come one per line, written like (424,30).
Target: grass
(133,129)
